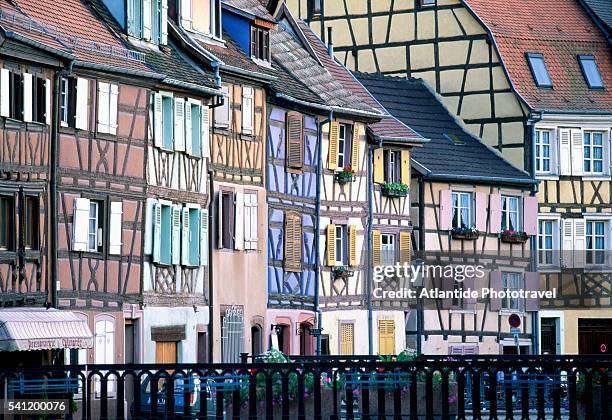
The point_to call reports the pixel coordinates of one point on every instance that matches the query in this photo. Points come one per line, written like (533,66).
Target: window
(31,222)
(222,113)
(94,228)
(248,110)
(546,242)
(590,70)
(293,242)
(16,96)
(543,148)
(511,282)
(315,8)
(339,245)
(87,224)
(147,20)
(387,248)
(595,241)
(108,94)
(37,104)
(7,226)
(392,166)
(510,213)
(226,217)
(462,210)
(73,102)
(260,43)
(191,236)
(294,140)
(64,105)
(539,70)
(593,152)
(196,126)
(201,16)
(344,145)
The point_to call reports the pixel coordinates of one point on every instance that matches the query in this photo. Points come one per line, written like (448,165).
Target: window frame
(228,227)
(591,160)
(260,44)
(97,234)
(315,8)
(597,256)
(340,244)
(31,230)
(8,225)
(505,214)
(555,238)
(346,141)
(389,249)
(582,58)
(459,207)
(392,166)
(539,145)
(540,84)
(518,280)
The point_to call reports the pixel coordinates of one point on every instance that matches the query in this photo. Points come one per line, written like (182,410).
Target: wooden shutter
(446,209)
(48,109)
(355,146)
(5,95)
(157,222)
(331,245)
(103,108)
(565,164)
(386,336)
(295,140)
(82,99)
(334,132)
(532,284)
(347,333)
(404,247)
(27,97)
(205,126)
(113,110)
(204,237)
(579,243)
(147,12)
(352,239)
(481,211)
(247,110)
(185,233)
(80,224)
(293,242)
(376,248)
(577,154)
(253,224)
(496,285)
(405,169)
(530,215)
(188,129)
(179,124)
(164,22)
(115,228)
(176,235)
(495,213)
(239,227)
(158,120)
(379,166)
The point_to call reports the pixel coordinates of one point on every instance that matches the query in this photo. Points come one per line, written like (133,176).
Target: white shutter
(203,237)
(185,236)
(564,151)
(164,22)
(205,140)
(147,12)
(27,97)
(239,228)
(567,232)
(113,111)
(188,133)
(5,96)
(577,152)
(579,243)
(48,101)
(158,115)
(250,220)
(176,234)
(186,17)
(82,95)
(157,216)
(103,108)
(149,226)
(80,224)
(115,228)
(179,124)
(247,110)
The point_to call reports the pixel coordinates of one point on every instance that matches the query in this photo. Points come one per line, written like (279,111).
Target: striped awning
(23,329)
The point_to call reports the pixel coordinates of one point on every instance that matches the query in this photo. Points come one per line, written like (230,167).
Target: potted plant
(395,189)
(514,237)
(341,273)
(467,233)
(345,175)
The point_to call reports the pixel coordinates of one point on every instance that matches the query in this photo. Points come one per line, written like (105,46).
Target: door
(386,336)
(306,347)
(595,336)
(346,339)
(165,351)
(549,335)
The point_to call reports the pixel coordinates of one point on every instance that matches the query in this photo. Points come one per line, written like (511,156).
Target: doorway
(595,336)
(166,351)
(549,335)
(306,345)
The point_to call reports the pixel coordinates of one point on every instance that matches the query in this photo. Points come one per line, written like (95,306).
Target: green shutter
(185,237)
(194,236)
(196,131)
(157,224)
(204,237)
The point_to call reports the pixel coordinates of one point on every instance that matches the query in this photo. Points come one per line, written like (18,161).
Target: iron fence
(356,387)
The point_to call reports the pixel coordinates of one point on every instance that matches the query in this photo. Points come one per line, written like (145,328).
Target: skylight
(591,71)
(454,139)
(539,70)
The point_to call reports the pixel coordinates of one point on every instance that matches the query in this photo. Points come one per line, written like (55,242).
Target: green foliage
(395,189)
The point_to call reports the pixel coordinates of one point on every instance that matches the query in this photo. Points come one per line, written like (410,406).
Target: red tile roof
(559,29)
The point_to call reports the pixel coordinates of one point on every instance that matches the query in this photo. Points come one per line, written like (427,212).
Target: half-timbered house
(465,202)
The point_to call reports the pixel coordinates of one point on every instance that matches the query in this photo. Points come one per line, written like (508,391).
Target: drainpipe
(215,66)
(330,44)
(535,317)
(211,229)
(370,260)
(53,164)
(422,251)
(317,227)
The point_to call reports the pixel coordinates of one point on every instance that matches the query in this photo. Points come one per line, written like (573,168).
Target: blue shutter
(194,236)
(131,21)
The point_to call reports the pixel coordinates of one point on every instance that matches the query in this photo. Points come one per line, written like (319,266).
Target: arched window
(256,337)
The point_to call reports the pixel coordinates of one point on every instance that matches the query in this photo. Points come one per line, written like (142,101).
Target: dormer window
(591,71)
(148,20)
(539,70)
(203,16)
(260,43)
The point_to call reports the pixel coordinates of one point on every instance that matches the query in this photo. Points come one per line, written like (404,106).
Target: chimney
(330,43)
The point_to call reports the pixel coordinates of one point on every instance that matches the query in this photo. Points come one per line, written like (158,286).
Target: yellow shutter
(406,167)
(375,247)
(356,143)
(404,246)
(386,336)
(346,339)
(352,245)
(332,158)
(379,165)
(331,245)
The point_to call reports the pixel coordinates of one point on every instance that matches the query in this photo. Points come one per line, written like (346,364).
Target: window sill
(462,311)
(596,177)
(549,269)
(597,268)
(547,177)
(505,311)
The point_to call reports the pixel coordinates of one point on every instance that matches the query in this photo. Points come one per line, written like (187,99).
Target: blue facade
(290,192)
(239,28)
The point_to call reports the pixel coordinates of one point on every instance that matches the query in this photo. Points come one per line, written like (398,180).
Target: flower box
(394,189)
(514,237)
(341,273)
(346,175)
(468,234)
